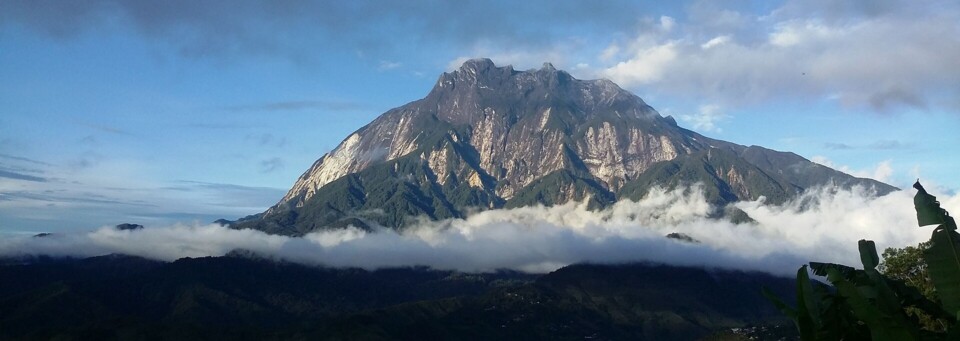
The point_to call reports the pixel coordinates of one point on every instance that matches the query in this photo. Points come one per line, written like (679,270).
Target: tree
(907,265)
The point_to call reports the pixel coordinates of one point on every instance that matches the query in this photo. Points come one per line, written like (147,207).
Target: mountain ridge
(488,137)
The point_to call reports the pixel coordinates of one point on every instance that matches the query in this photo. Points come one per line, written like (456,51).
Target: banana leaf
(804,328)
(883,326)
(808,311)
(807,320)
(887,299)
(868,254)
(910,296)
(807,300)
(943,256)
(929,211)
(820,269)
(943,265)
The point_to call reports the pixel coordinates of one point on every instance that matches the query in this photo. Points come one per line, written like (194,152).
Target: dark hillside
(242,297)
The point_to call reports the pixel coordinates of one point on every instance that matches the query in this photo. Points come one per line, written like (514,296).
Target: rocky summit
(489,137)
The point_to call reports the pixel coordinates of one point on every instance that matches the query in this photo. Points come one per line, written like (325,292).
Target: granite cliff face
(490,137)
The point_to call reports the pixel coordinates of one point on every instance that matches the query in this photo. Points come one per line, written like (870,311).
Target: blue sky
(157,112)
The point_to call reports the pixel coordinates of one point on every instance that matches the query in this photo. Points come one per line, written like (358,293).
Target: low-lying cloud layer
(822,225)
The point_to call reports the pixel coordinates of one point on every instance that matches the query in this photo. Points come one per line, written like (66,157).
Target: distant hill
(491,137)
(243,297)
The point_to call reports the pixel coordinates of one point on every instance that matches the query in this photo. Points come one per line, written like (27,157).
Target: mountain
(240,296)
(489,137)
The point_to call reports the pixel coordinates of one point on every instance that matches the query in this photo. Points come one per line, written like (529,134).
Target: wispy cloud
(58,205)
(299,106)
(388,65)
(20,176)
(877,145)
(837,146)
(252,198)
(64,197)
(271,165)
(216,126)
(889,144)
(266,140)
(106,129)
(706,118)
(883,171)
(23,159)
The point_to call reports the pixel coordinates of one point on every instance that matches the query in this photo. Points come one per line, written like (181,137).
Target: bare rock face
(488,136)
(519,123)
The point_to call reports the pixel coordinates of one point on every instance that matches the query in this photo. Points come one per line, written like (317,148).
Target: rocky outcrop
(519,124)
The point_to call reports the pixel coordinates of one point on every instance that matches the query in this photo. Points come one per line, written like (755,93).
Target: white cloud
(647,65)
(667,23)
(717,41)
(388,65)
(271,164)
(886,61)
(120,190)
(706,118)
(798,32)
(542,239)
(823,160)
(882,172)
(455,64)
(609,53)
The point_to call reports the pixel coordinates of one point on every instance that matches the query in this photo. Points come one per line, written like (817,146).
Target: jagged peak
(477,65)
(483,69)
(480,77)
(473,71)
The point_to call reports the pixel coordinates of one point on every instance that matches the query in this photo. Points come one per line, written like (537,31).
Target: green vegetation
(390,194)
(726,177)
(907,265)
(898,305)
(552,189)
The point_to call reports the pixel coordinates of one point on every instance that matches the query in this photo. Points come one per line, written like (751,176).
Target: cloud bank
(822,225)
(40,197)
(287,28)
(877,57)
(880,55)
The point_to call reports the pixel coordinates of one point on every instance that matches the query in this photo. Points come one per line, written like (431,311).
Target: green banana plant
(807,315)
(866,305)
(869,297)
(943,256)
